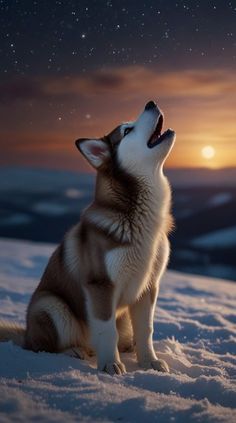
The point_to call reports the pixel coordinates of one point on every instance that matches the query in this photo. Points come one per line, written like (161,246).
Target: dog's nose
(150,105)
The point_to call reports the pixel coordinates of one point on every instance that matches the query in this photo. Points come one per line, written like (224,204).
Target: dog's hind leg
(125,330)
(51,326)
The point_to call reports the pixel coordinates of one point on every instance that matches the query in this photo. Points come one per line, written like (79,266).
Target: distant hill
(192,177)
(46,179)
(34,179)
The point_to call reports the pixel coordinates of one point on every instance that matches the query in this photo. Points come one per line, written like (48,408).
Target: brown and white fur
(99,290)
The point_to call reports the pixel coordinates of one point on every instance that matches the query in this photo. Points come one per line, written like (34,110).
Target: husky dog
(99,290)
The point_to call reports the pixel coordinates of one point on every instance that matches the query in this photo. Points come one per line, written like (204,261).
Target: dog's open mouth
(157,137)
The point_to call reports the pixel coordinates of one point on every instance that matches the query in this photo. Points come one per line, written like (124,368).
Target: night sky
(71,69)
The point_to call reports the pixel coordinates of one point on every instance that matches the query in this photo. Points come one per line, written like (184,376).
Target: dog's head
(139,148)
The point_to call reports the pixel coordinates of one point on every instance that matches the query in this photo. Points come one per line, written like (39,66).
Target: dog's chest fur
(130,271)
(132,266)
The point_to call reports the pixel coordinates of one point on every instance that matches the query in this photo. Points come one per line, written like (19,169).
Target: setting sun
(208,152)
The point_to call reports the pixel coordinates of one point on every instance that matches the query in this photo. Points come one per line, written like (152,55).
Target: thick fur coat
(99,290)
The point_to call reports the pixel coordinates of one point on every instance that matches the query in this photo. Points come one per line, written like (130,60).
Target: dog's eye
(127,130)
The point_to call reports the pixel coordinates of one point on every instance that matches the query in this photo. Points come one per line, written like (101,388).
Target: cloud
(108,80)
(129,82)
(21,89)
(138,80)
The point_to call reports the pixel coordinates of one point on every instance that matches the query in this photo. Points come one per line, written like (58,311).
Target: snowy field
(195,332)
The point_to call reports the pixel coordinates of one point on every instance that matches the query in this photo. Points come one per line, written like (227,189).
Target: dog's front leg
(103,333)
(104,340)
(142,314)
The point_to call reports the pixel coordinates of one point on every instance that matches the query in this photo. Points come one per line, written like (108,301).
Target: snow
(195,332)
(16,219)
(217,239)
(220,199)
(50,209)
(73,193)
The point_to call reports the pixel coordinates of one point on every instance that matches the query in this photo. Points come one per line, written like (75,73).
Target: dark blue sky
(69,37)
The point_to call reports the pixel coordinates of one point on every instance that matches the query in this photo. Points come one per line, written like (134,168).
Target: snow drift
(195,332)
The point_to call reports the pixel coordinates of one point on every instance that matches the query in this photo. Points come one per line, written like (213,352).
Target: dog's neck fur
(133,206)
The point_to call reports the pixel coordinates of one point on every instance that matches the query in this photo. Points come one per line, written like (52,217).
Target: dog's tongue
(156,134)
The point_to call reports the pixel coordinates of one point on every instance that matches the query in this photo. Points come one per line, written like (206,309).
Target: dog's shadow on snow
(21,364)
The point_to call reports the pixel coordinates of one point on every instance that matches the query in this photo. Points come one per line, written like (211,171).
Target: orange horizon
(199,105)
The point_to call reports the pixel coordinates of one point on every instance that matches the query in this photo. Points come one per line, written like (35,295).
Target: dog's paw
(159,365)
(115,368)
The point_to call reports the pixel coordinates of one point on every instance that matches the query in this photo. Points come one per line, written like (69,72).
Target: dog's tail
(12,332)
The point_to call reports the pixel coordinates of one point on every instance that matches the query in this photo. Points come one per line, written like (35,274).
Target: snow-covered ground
(195,332)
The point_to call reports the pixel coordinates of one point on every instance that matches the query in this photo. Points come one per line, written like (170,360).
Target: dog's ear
(96,151)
